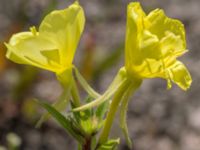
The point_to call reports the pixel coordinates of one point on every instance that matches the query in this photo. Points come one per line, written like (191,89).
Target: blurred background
(158,119)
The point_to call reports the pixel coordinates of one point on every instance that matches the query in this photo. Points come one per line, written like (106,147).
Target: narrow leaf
(60,105)
(109,145)
(102,109)
(64,122)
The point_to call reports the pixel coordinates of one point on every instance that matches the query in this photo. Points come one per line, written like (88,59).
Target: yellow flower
(153,42)
(53,46)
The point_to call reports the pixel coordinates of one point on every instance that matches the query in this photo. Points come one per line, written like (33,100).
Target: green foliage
(109,145)
(66,123)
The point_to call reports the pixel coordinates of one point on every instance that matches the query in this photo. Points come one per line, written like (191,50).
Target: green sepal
(124,107)
(85,85)
(123,115)
(119,80)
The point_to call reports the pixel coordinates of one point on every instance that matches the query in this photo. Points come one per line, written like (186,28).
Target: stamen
(33,30)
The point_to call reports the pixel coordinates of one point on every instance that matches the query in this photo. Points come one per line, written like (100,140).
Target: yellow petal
(64,27)
(134,28)
(26,48)
(53,47)
(172,45)
(13,41)
(149,45)
(159,24)
(179,74)
(135,16)
(153,44)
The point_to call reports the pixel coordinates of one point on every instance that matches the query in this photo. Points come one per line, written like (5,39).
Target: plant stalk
(87,144)
(111,114)
(114,106)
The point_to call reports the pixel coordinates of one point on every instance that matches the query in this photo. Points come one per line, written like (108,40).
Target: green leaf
(102,109)
(109,145)
(64,122)
(60,104)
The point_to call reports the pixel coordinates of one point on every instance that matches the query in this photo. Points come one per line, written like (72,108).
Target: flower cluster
(152,45)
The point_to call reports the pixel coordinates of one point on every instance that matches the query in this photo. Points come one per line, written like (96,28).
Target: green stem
(111,114)
(115,104)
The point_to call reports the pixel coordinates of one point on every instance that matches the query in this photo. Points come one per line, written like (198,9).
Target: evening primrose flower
(53,46)
(153,42)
